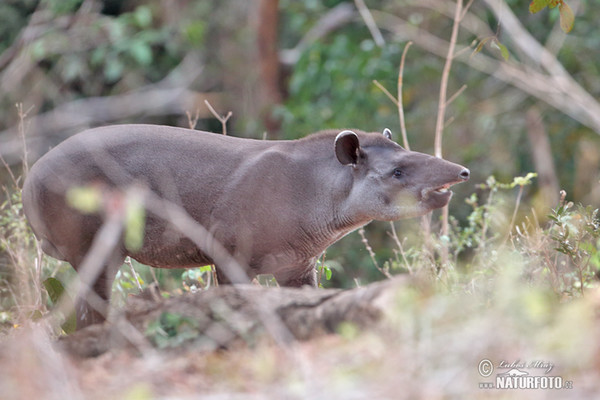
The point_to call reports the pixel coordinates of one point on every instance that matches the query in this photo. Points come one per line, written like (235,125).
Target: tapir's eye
(398,172)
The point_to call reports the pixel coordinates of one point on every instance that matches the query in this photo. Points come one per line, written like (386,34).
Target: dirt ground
(425,346)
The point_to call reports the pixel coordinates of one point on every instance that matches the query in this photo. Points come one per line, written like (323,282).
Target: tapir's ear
(387,133)
(347,147)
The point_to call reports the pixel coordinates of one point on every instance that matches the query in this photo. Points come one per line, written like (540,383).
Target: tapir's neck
(330,211)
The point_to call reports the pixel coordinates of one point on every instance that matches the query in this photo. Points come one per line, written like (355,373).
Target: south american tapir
(263,206)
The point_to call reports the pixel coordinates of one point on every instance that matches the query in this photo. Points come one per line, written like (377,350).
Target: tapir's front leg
(93,300)
(308,277)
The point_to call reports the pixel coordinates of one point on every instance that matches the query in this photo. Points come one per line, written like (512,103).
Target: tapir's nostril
(464,174)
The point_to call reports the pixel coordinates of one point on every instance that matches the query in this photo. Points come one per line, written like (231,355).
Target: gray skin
(274,206)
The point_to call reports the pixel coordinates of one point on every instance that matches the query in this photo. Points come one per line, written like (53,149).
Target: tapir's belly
(169,249)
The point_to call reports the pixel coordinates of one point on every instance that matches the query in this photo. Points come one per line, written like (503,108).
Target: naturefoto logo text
(521,375)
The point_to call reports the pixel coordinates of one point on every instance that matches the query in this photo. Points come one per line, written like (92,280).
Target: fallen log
(225,316)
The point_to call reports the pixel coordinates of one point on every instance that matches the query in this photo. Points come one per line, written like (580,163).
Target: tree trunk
(267,41)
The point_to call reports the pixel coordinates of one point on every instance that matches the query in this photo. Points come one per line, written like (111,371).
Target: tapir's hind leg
(93,300)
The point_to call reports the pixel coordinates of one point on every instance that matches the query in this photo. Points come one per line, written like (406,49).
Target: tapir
(273,205)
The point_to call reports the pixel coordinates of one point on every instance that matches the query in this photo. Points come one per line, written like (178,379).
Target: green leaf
(327,273)
(266,280)
(55,291)
(567,18)
(85,199)
(503,49)
(143,16)
(141,52)
(554,3)
(538,5)
(135,222)
(113,70)
(171,330)
(54,288)
(206,268)
(195,32)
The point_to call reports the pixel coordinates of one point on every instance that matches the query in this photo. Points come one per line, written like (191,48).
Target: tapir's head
(391,183)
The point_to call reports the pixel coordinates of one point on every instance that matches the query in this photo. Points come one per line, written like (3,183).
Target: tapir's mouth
(443,188)
(437,196)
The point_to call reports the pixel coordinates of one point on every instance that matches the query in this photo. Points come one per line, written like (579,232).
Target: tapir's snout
(436,181)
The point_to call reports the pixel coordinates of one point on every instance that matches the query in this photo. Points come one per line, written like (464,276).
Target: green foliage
(198,278)
(59,7)
(56,291)
(171,330)
(333,79)
(495,43)
(126,283)
(29,282)
(563,253)
(567,18)
(576,234)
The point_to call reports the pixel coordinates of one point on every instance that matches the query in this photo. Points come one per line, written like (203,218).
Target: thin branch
(371,25)
(466,9)
(135,275)
(386,92)
(193,121)
(514,215)
(568,97)
(400,105)
(22,129)
(448,122)
(455,95)
(12,176)
(384,271)
(439,125)
(394,236)
(223,119)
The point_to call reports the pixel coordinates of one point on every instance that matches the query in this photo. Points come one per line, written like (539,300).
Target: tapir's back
(126,153)
(180,165)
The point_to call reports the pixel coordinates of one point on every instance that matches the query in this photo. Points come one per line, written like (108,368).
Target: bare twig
(371,25)
(193,121)
(448,122)
(455,95)
(133,273)
(542,156)
(556,88)
(23,125)
(386,92)
(466,9)
(398,101)
(7,167)
(384,271)
(400,246)
(442,104)
(514,215)
(400,105)
(222,119)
